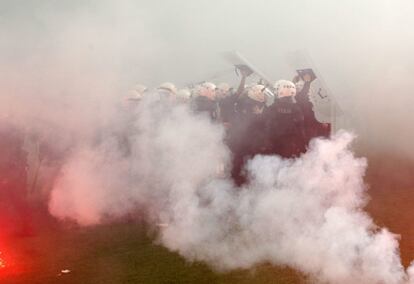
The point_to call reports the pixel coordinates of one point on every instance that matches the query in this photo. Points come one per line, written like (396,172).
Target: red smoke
(2,262)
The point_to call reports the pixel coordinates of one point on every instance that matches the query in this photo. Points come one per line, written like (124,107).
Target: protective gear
(285,132)
(256,93)
(137,93)
(167,86)
(133,95)
(313,128)
(224,87)
(195,91)
(203,104)
(140,88)
(184,94)
(299,86)
(307,74)
(269,96)
(285,88)
(209,85)
(243,69)
(208,89)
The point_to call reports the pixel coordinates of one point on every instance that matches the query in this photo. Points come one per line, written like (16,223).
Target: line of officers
(258,119)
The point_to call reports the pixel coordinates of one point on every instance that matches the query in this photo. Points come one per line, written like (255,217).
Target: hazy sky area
(362,48)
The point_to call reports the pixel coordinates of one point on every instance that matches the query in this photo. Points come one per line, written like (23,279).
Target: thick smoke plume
(171,151)
(305,213)
(66,65)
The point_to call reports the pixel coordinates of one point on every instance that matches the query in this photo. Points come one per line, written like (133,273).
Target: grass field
(126,253)
(121,253)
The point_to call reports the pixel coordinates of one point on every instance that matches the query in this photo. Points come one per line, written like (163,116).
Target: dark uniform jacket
(245,135)
(285,133)
(204,104)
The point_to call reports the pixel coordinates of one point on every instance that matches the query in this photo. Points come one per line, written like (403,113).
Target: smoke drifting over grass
(168,151)
(304,213)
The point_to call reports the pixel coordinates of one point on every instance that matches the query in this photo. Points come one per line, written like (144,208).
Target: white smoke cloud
(306,213)
(86,189)
(170,148)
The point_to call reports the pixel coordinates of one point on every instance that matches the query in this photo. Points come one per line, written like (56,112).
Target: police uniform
(285,135)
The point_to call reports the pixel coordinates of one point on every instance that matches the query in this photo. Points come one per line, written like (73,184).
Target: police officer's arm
(308,79)
(245,72)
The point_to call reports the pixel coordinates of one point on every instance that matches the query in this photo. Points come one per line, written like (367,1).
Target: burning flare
(2,262)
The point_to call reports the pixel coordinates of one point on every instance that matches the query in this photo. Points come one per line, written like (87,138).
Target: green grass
(122,253)
(125,253)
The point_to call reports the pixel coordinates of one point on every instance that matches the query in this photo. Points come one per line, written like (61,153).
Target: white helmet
(256,93)
(137,93)
(209,85)
(195,91)
(167,86)
(184,94)
(140,88)
(285,88)
(134,95)
(224,87)
(208,89)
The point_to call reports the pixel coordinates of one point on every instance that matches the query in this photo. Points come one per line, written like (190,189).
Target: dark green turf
(122,253)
